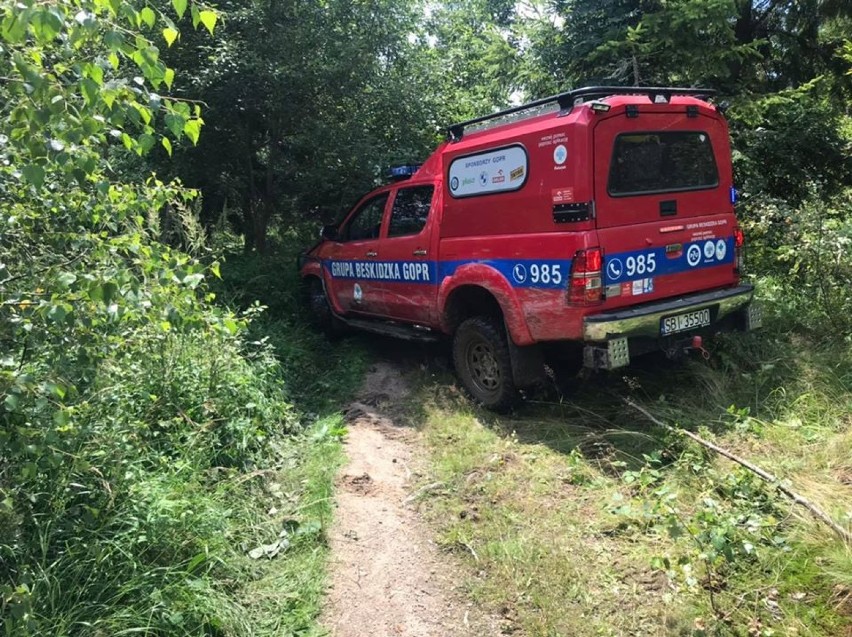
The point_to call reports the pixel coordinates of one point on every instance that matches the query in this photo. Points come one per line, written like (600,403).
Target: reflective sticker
(357,293)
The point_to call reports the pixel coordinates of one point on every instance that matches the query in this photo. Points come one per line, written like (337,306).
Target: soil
(388,577)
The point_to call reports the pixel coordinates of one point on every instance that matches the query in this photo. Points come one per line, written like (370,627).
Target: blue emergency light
(405,171)
(735,195)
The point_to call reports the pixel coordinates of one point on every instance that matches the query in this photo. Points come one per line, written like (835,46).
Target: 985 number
(546,274)
(641,264)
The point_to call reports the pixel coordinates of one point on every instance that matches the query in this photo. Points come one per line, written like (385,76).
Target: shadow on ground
(585,412)
(582,412)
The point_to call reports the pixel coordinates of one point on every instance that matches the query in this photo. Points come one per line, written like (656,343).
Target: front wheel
(319,309)
(482,361)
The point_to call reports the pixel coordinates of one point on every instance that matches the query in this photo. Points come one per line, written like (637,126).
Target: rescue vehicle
(603,219)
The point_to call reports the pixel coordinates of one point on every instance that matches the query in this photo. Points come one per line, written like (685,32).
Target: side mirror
(329,232)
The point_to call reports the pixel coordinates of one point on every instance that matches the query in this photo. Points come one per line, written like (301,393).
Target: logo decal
(519,273)
(454,183)
(693,255)
(614,269)
(357,293)
(560,155)
(721,249)
(709,249)
(483,178)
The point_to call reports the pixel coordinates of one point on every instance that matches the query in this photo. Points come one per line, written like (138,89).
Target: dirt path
(388,577)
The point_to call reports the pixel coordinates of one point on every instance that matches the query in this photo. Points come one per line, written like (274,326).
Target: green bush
(803,258)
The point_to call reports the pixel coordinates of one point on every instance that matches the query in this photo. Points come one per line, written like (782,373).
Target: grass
(577,517)
(187,451)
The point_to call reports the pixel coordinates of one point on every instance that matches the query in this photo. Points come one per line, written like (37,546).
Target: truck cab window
(366,223)
(410,210)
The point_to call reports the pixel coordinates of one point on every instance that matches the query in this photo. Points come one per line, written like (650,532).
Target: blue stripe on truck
(548,274)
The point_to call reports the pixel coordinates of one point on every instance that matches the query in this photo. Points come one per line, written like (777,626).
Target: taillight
(739,250)
(585,285)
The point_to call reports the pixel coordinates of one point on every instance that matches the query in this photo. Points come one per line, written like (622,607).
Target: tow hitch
(682,347)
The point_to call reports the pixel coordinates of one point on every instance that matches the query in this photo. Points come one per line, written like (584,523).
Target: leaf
(192,280)
(67,278)
(180,7)
(214,268)
(11,402)
(33,174)
(169,77)
(195,562)
(167,145)
(61,418)
(46,25)
(89,89)
(208,19)
(146,143)
(148,16)
(175,123)
(170,36)
(231,325)
(192,128)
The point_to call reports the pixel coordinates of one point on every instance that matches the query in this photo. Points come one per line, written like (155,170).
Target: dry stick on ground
(769,477)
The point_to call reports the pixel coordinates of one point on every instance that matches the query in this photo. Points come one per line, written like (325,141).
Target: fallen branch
(765,475)
(423,491)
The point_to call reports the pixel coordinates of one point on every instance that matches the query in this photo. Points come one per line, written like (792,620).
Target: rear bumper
(645,319)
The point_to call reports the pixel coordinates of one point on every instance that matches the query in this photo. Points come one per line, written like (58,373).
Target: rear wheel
(483,364)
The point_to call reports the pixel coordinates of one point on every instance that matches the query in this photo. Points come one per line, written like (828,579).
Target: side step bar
(394,330)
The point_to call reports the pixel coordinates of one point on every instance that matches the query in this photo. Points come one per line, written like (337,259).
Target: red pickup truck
(605,221)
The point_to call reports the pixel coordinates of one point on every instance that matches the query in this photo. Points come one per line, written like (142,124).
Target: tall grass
(184,451)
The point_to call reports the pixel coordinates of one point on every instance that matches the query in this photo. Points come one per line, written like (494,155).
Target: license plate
(686,321)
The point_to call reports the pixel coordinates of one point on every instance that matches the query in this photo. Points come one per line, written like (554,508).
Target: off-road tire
(482,362)
(319,310)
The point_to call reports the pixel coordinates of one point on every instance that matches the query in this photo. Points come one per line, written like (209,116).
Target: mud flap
(527,364)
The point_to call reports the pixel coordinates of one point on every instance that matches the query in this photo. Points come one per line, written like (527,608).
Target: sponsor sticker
(484,173)
(560,155)
(635,288)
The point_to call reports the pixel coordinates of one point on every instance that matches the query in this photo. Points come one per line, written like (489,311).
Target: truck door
(662,203)
(410,294)
(352,276)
